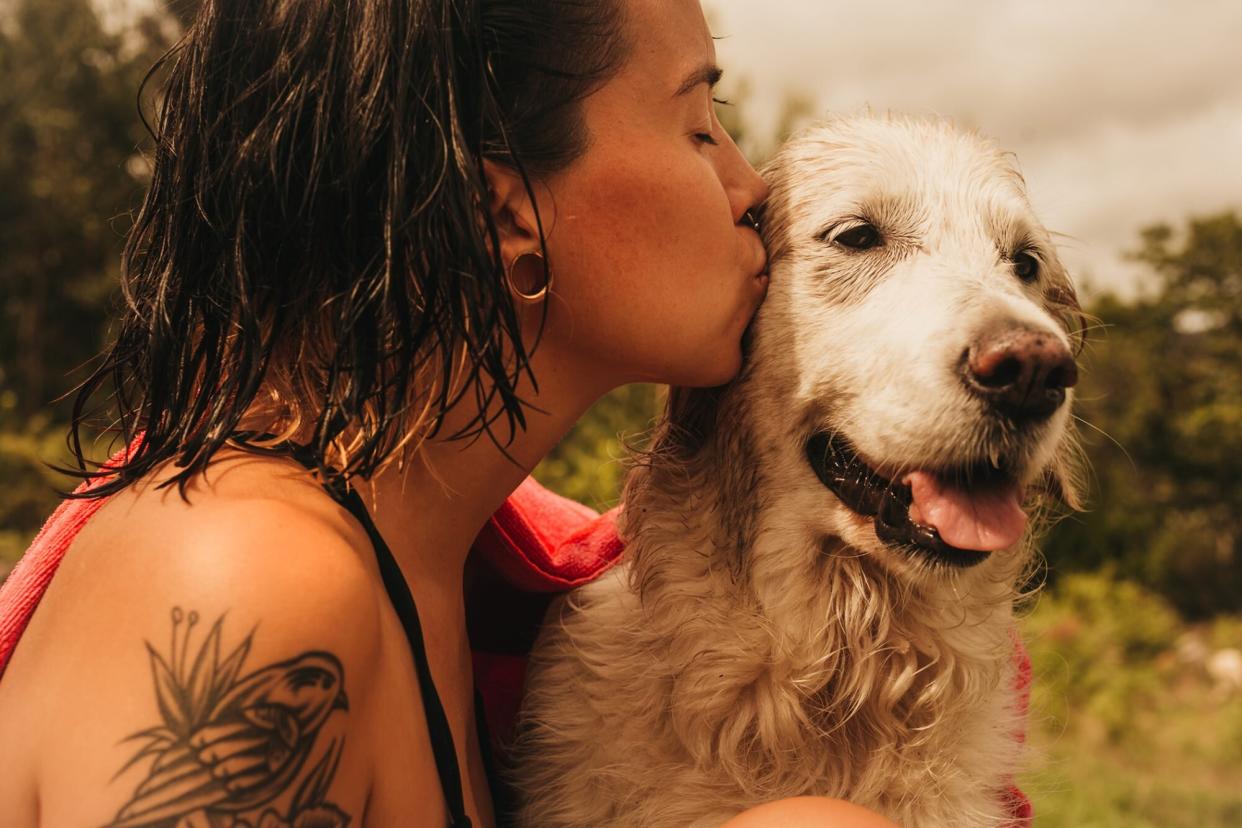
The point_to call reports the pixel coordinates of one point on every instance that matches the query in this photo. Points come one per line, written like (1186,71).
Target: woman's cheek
(648,257)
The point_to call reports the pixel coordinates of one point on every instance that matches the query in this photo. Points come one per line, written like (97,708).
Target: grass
(1126,729)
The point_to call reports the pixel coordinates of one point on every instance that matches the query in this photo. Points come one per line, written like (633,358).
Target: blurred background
(1126,120)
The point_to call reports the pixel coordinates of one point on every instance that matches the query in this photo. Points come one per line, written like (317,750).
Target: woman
(404,244)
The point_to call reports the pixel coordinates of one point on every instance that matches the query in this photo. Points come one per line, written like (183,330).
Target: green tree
(589,464)
(69,174)
(1162,396)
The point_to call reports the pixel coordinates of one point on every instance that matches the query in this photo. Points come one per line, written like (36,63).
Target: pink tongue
(981,520)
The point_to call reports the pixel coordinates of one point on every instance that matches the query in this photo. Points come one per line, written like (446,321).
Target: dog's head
(918,340)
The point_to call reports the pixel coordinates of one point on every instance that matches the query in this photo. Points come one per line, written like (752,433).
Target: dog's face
(918,336)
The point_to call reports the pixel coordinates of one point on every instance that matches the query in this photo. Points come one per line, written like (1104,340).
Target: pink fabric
(23,589)
(1020,806)
(542,542)
(537,544)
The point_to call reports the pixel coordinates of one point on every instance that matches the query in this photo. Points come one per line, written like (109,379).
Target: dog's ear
(689,419)
(687,424)
(1064,479)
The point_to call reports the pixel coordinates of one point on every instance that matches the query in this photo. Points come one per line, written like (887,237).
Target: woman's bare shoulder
(251,522)
(215,651)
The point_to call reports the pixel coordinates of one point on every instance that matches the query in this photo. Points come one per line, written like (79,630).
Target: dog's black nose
(1021,373)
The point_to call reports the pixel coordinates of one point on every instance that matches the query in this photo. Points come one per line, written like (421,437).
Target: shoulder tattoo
(235,749)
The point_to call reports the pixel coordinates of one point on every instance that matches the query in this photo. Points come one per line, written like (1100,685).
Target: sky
(1122,113)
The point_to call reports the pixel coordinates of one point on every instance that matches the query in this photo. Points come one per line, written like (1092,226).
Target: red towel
(23,589)
(537,544)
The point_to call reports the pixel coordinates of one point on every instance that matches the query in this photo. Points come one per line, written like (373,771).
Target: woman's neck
(430,510)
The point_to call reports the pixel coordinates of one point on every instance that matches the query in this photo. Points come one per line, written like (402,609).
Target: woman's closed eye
(709,137)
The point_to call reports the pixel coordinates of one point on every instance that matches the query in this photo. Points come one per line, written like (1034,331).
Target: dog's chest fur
(733,662)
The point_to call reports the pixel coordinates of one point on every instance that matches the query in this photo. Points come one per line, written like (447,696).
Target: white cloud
(1121,113)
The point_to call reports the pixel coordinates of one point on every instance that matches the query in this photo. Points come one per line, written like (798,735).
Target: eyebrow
(708,73)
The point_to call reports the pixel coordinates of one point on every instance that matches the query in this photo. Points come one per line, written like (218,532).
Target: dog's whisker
(1109,437)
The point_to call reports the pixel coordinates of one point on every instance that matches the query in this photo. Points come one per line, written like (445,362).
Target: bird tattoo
(231,745)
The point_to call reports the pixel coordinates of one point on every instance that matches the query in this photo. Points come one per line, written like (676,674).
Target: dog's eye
(862,237)
(1026,266)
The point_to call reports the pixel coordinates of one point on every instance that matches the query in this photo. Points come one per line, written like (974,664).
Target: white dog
(822,557)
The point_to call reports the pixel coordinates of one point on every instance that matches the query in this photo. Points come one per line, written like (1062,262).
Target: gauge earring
(538,295)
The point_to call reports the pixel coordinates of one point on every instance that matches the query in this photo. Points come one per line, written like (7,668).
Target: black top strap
(437,723)
(442,747)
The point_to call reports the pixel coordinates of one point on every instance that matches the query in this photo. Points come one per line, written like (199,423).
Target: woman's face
(656,275)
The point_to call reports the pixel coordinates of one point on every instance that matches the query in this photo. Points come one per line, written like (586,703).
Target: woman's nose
(748,192)
(746,188)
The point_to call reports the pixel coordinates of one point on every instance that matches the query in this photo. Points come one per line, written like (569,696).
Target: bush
(1095,644)
(30,487)
(588,465)
(1127,731)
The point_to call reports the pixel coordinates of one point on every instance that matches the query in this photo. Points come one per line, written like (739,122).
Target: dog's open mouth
(957,517)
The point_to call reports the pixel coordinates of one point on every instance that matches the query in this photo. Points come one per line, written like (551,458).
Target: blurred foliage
(69,173)
(587,466)
(797,109)
(1161,396)
(1126,726)
(1094,644)
(29,486)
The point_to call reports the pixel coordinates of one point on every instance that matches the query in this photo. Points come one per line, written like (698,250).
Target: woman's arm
(809,812)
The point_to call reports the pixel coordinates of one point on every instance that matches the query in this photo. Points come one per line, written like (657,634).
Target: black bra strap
(442,746)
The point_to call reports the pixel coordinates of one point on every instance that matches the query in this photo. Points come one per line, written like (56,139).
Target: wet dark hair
(315,239)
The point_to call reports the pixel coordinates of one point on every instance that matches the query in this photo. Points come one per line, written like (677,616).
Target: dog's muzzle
(888,502)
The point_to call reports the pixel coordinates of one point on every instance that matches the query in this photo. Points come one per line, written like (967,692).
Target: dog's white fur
(759,641)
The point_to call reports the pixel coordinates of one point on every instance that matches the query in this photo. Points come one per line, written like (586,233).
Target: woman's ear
(512,211)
